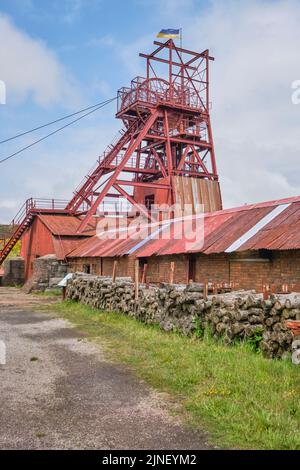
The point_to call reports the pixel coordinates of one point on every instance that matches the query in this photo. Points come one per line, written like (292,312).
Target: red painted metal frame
(167,131)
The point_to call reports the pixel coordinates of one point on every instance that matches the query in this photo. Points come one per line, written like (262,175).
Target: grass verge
(49,293)
(242,399)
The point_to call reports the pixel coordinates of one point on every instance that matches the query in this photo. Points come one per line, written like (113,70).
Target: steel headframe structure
(167,132)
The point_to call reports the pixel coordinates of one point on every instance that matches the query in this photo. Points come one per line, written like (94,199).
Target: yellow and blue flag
(169,33)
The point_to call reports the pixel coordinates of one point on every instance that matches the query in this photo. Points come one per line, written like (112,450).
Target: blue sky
(58,56)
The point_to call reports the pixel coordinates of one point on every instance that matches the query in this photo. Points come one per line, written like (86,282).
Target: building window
(192,268)
(87,268)
(149,201)
(266,254)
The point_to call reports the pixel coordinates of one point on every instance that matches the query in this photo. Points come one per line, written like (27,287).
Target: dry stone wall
(48,271)
(14,272)
(233,316)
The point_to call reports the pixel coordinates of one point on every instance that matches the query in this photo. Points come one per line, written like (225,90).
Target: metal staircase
(24,218)
(82,200)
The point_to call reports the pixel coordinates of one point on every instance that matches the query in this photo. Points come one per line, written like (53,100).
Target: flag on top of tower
(169,33)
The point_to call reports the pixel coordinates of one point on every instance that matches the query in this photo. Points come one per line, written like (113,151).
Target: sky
(58,56)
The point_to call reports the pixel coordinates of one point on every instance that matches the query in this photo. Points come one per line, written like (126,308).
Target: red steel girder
(143,184)
(168,130)
(131,148)
(130,199)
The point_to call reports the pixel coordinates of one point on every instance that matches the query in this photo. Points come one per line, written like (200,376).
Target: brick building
(51,234)
(249,246)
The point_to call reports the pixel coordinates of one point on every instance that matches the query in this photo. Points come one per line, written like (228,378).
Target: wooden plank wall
(195,191)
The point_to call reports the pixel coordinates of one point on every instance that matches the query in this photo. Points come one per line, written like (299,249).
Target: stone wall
(241,315)
(48,271)
(14,272)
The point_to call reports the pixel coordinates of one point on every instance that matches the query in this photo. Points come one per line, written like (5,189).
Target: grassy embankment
(242,399)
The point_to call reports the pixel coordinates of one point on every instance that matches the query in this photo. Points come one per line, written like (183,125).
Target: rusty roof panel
(221,229)
(286,240)
(262,240)
(64,245)
(65,225)
(102,246)
(233,229)
(290,216)
(278,233)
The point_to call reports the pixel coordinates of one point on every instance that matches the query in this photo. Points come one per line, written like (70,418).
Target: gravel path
(59,392)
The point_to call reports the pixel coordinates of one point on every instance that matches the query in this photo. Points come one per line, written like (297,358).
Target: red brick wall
(159,268)
(103,266)
(248,274)
(214,268)
(77,265)
(283,268)
(247,270)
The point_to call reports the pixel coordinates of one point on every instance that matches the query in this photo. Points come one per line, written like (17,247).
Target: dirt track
(59,392)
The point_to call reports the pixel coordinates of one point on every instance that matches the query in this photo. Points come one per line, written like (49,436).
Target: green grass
(49,293)
(242,399)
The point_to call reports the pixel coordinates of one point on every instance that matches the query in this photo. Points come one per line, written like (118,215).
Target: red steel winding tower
(165,153)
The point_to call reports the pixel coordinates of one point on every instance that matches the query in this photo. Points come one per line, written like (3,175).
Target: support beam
(186,51)
(144,273)
(114,271)
(134,203)
(142,184)
(135,142)
(136,279)
(165,61)
(172,271)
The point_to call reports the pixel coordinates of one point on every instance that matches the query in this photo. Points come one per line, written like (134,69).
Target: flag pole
(180,38)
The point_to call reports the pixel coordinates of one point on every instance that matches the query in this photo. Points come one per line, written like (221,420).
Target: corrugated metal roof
(111,243)
(65,225)
(267,227)
(64,245)
(257,227)
(283,233)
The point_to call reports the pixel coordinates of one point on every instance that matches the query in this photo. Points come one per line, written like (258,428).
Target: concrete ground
(58,391)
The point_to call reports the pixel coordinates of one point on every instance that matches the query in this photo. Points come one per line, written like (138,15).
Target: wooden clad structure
(195,191)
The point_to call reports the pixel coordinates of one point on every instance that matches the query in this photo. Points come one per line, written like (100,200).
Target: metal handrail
(36,203)
(23,216)
(143,93)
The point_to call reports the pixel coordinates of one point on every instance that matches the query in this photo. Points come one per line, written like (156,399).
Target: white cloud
(128,53)
(73,10)
(103,41)
(103,87)
(256,126)
(167,8)
(54,168)
(31,69)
